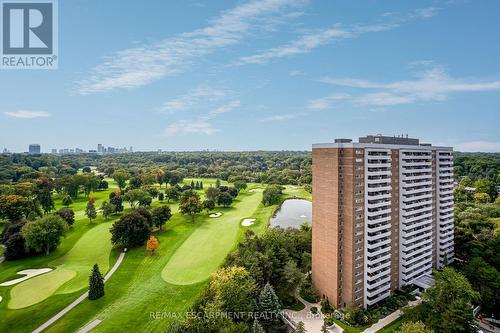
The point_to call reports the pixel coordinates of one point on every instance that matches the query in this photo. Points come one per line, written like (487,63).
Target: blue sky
(260,75)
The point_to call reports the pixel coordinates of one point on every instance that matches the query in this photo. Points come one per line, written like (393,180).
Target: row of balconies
(414,240)
(373,268)
(375,299)
(371,292)
(417,230)
(414,245)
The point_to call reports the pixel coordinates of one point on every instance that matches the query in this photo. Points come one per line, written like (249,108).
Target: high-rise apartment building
(34,148)
(382,216)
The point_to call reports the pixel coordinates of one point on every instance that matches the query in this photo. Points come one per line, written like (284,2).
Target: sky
(260,75)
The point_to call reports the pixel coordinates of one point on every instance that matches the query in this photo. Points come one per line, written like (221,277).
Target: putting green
(72,270)
(204,251)
(37,289)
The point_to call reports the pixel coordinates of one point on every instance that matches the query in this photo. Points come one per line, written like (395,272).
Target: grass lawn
(71,270)
(204,251)
(139,296)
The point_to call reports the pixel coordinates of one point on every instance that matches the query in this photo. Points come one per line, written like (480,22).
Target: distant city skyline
(260,75)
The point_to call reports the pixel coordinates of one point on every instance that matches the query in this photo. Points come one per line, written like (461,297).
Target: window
(359,152)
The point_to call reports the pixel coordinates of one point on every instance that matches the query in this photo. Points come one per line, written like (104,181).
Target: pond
(292,213)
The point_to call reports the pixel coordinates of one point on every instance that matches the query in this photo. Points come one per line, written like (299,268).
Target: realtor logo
(28,34)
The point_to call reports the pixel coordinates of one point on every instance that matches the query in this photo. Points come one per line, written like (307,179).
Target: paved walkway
(90,326)
(312,323)
(389,318)
(79,299)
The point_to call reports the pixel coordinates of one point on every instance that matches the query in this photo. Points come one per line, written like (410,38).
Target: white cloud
(280,117)
(135,67)
(183,127)
(25,114)
(432,84)
(296,73)
(327,101)
(224,108)
(200,94)
(308,42)
(478,146)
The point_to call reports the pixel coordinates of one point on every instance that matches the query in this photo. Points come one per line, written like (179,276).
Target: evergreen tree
(269,305)
(300,328)
(201,185)
(192,184)
(217,183)
(256,327)
(96,284)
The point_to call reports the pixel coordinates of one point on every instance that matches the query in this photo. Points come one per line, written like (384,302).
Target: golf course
(147,291)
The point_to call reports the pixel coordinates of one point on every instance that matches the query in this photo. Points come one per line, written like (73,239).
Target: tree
(90,210)
(190,203)
(146,214)
(271,194)
(161,196)
(137,196)
(240,185)
(86,169)
(44,234)
(225,199)
(67,214)
(324,328)
(447,305)
(175,178)
(152,244)
(201,184)
(116,199)
(485,279)
(292,279)
(484,185)
(217,183)
(256,327)
(233,191)
(43,193)
(208,205)
(232,289)
(192,184)
(96,284)
(269,305)
(107,209)
(414,327)
(212,193)
(130,230)
(161,215)
(300,327)
(121,178)
(172,193)
(481,197)
(15,247)
(13,207)
(66,200)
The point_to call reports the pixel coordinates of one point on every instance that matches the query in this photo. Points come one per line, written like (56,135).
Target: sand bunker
(247,222)
(29,273)
(218,214)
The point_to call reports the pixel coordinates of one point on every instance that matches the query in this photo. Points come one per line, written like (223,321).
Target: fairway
(204,251)
(72,270)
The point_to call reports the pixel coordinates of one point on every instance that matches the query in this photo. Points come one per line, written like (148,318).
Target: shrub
(67,214)
(314,310)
